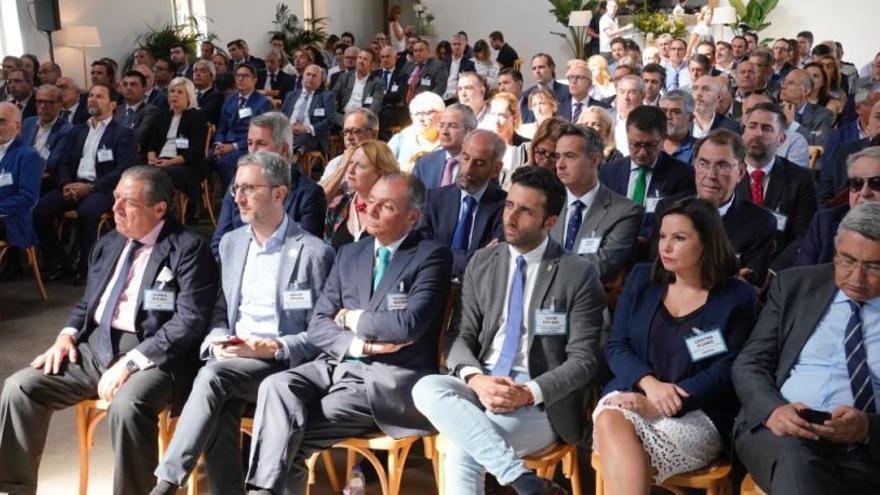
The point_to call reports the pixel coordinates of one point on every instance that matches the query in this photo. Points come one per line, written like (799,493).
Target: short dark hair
(723,137)
(647,119)
(736,38)
(592,142)
(752,35)
(348,34)
(772,108)
(618,40)
(718,262)
(140,77)
(181,46)
(111,70)
(656,69)
(496,36)
(481,46)
(806,34)
(821,50)
(702,60)
(515,74)
(765,55)
(239,43)
(279,37)
(249,66)
(545,181)
(547,57)
(157,186)
(630,45)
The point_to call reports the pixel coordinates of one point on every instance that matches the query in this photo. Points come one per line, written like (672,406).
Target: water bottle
(357,485)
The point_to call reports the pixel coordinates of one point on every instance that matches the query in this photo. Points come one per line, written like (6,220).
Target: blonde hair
(512,106)
(189,88)
(607,131)
(600,75)
(378,154)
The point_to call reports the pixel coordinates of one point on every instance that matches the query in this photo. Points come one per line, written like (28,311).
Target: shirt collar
(50,124)
(246,97)
(152,236)
(393,247)
(275,241)
(135,106)
(586,199)
(533,256)
(101,123)
(634,166)
(767,168)
(477,195)
(840,297)
(4,147)
(723,209)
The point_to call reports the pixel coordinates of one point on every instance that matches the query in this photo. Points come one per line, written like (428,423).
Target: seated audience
(239,54)
(820,95)
(360,88)
(543,106)
(809,423)
(440,168)
(600,120)
(630,93)
(504,119)
(781,66)
(73,104)
(358,125)
(423,73)
(473,92)
(20,90)
(273,82)
(139,357)
(542,147)
(865,97)
(312,112)
(210,100)
(544,73)
(677,328)
(152,95)
(20,168)
(49,72)
(393,112)
(679,143)
(815,121)
(580,82)
(258,326)
(654,77)
(422,136)
(135,113)
(456,65)
(47,132)
(677,75)
(706,91)
(833,179)
(602,87)
(180,56)
(794,147)
(508,395)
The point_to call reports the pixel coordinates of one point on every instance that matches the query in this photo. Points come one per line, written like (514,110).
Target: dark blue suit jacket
(732,307)
(58,141)
(817,246)
(231,128)
(430,168)
(18,199)
(305,204)
(321,123)
(440,216)
(564,111)
(833,176)
(117,138)
(669,178)
(722,122)
(844,134)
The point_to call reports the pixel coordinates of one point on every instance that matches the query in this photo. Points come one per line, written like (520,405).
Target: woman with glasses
(543,105)
(422,136)
(600,121)
(542,148)
(365,164)
(678,326)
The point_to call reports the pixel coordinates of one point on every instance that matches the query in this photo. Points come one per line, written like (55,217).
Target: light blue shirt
(258,306)
(820,378)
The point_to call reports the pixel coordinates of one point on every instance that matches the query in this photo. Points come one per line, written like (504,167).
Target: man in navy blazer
(51,130)
(466,215)
(274,82)
(19,180)
(580,80)
(230,140)
(100,151)
(544,72)
(377,322)
(648,174)
(311,112)
(457,121)
(305,202)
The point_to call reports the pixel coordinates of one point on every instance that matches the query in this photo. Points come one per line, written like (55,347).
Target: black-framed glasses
(547,155)
(353,131)
(246,189)
(857,183)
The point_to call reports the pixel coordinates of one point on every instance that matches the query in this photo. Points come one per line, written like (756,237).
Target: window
(10,29)
(187,10)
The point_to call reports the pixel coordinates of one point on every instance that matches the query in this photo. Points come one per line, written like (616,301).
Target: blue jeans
(478,440)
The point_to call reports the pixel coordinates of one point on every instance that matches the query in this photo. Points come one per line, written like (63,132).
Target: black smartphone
(814,416)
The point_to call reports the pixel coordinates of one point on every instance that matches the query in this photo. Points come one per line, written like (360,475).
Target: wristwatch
(131,366)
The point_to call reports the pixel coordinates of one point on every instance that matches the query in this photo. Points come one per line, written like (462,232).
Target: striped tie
(857,363)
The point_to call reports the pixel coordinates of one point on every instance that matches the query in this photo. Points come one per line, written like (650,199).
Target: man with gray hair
(131,340)
(19,180)
(630,94)
(707,91)
(815,120)
(456,65)
(678,106)
(807,377)
(271,274)
(440,167)
(359,125)
(867,93)
(210,100)
(47,132)
(466,215)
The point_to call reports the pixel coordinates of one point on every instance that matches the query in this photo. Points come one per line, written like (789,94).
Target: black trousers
(89,210)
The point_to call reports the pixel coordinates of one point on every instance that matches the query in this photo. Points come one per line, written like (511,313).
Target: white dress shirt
(42,138)
(169,149)
(587,199)
(87,169)
(452,81)
(356,99)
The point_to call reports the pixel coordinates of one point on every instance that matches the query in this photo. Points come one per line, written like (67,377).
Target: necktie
(300,116)
(675,80)
(199,96)
(577,111)
(386,76)
(19,105)
(448,175)
(105,344)
(857,362)
(384,255)
(513,326)
(462,234)
(641,185)
(65,115)
(129,114)
(758,187)
(272,80)
(414,82)
(574,224)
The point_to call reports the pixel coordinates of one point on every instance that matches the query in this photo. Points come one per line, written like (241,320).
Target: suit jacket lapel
(399,261)
(558,230)
(240,245)
(364,268)
(773,194)
(292,252)
(546,273)
(113,253)
(595,214)
(157,258)
(500,267)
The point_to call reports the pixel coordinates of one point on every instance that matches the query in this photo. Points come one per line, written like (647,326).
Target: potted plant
(562,10)
(653,24)
(158,41)
(297,33)
(752,17)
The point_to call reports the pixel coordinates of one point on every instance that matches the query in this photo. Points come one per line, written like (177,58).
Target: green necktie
(641,184)
(384,256)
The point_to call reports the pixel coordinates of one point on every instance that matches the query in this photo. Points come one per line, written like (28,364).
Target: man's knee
(21,385)
(428,388)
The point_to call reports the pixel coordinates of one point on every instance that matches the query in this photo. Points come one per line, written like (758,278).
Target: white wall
(362,18)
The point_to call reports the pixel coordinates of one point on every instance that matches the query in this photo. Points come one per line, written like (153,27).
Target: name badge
(319,112)
(394,88)
(158,300)
(651,204)
(6,179)
(589,245)
(368,100)
(296,299)
(245,112)
(549,322)
(426,81)
(781,220)
(105,155)
(706,344)
(44,153)
(181,143)
(396,301)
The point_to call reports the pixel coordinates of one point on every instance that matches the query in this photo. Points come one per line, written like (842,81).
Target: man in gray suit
(377,323)
(423,73)
(595,223)
(359,88)
(815,121)
(808,376)
(271,272)
(135,113)
(525,348)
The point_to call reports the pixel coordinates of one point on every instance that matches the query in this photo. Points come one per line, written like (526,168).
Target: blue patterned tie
(461,237)
(513,327)
(384,255)
(578,108)
(857,363)
(574,224)
(105,344)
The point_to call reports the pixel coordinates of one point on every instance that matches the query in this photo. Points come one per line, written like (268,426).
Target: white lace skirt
(674,445)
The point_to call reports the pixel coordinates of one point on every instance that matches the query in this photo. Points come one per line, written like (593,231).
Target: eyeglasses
(426,113)
(575,79)
(242,75)
(46,102)
(354,131)
(649,146)
(857,183)
(722,168)
(849,265)
(548,155)
(247,189)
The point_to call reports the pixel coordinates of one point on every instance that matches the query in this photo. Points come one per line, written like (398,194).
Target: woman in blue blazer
(678,326)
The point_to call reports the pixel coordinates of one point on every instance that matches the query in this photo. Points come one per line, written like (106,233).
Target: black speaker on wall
(48,15)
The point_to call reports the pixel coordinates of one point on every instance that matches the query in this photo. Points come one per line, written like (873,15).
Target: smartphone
(814,416)
(231,340)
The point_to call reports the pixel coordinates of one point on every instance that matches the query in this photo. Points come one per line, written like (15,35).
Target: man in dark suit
(817,246)
(154,96)
(135,113)
(47,132)
(20,89)
(597,224)
(866,96)
(423,73)
(305,202)
(19,180)
(230,140)
(349,61)
(786,189)
(103,71)
(780,66)
(311,112)
(580,81)
(525,348)
(74,109)
(131,340)
(210,101)
(456,65)
(377,322)
(706,91)
(544,71)
(273,82)
(506,54)
(833,177)
(807,377)
(815,121)
(440,168)
(466,215)
(100,150)
(180,56)
(648,174)
(393,112)
(360,88)
(239,54)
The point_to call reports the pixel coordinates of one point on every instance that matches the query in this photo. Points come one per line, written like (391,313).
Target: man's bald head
(10,122)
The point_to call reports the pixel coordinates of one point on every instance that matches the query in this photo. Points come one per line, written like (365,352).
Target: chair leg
(208,201)
(35,267)
(182,203)
(350,461)
(82,441)
(332,475)
(431,453)
(574,472)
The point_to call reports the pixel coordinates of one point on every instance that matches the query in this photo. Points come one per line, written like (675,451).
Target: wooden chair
(310,159)
(276,103)
(749,487)
(715,478)
(815,154)
(207,200)
(336,145)
(105,221)
(31,252)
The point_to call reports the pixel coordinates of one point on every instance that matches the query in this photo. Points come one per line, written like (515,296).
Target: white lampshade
(580,18)
(80,36)
(724,15)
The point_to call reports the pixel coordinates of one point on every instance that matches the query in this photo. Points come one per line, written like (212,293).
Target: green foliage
(298,33)
(158,41)
(754,15)
(562,9)
(658,23)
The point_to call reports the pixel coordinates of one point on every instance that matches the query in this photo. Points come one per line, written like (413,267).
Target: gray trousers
(302,411)
(29,398)
(210,423)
